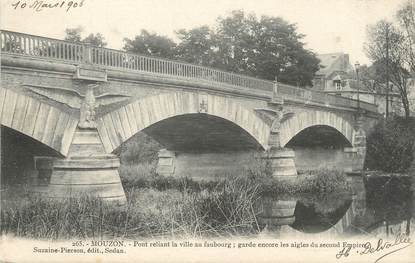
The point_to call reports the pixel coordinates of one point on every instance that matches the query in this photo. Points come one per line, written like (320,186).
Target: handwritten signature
(401,241)
(43,5)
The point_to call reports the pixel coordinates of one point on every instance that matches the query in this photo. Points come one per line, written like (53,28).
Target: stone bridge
(67,108)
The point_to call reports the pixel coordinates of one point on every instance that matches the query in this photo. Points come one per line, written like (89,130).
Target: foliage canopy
(265,47)
(391,48)
(74,35)
(391,145)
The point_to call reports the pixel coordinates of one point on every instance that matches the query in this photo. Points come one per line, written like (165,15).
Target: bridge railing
(307,95)
(120,59)
(29,45)
(74,53)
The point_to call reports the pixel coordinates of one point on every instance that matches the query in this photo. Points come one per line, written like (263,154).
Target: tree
(237,43)
(96,40)
(263,48)
(372,78)
(390,145)
(387,48)
(150,44)
(406,19)
(74,35)
(369,78)
(240,43)
(197,46)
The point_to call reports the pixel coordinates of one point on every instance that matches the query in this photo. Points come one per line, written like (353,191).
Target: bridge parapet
(19,44)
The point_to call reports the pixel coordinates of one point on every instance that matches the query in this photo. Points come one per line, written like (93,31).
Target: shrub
(143,175)
(389,195)
(316,181)
(390,146)
(324,181)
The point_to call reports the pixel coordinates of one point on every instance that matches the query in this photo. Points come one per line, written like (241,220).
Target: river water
(376,206)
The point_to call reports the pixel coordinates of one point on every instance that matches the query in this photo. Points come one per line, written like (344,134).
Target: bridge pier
(166,162)
(204,165)
(281,161)
(359,144)
(275,213)
(210,166)
(87,170)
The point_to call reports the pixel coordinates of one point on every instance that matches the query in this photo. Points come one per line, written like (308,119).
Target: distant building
(333,74)
(338,76)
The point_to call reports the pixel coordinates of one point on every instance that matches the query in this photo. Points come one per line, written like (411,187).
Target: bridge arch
(118,126)
(40,121)
(300,122)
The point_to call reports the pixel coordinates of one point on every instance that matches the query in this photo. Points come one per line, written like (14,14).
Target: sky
(329,25)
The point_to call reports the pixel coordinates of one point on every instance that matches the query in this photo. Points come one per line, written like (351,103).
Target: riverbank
(317,181)
(384,180)
(159,206)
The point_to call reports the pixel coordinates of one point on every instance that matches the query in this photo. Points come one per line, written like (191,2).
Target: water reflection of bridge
(348,216)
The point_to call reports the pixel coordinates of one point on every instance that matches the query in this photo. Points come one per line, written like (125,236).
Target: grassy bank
(148,213)
(319,181)
(161,206)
